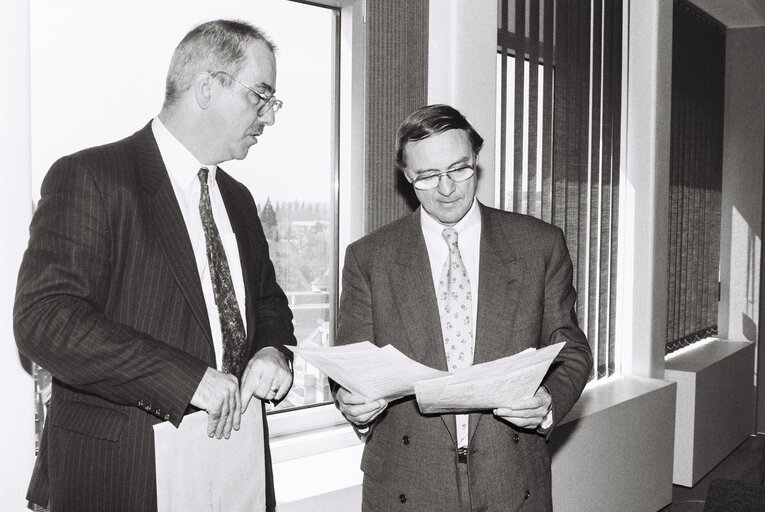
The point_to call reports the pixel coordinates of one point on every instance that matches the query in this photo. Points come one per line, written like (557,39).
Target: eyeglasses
(268,102)
(431,181)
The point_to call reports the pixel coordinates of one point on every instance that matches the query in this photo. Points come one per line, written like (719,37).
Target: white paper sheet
(387,373)
(196,473)
(487,385)
(367,369)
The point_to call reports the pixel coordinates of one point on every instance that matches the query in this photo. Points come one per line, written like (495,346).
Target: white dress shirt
(469,243)
(183,167)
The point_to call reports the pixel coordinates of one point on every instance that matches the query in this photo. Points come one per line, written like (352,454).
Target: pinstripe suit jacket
(109,301)
(525,299)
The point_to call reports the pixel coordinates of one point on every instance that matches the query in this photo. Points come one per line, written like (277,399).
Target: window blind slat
(520,56)
(533,110)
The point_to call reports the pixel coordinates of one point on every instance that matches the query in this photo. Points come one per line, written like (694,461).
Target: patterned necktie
(455,307)
(231,325)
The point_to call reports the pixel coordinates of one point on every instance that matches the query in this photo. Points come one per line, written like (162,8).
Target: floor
(745,463)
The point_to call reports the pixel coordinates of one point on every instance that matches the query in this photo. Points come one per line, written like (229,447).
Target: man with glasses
(147,290)
(453,284)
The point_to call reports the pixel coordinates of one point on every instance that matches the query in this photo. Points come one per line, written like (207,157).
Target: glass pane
(99,78)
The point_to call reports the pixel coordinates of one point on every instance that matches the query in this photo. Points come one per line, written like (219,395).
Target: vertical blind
(559,76)
(396,84)
(696,144)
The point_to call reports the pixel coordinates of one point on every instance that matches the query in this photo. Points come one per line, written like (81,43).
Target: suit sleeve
(571,368)
(62,292)
(355,318)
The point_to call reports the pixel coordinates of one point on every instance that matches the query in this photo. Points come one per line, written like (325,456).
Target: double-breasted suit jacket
(110,302)
(525,299)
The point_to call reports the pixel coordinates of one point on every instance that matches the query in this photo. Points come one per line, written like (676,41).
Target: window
(559,97)
(696,151)
(104,74)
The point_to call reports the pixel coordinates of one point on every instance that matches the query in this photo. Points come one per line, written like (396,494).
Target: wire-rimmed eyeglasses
(266,102)
(431,181)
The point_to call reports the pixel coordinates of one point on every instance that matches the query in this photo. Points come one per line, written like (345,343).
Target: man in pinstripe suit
(115,296)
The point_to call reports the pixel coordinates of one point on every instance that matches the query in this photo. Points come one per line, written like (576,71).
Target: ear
(203,83)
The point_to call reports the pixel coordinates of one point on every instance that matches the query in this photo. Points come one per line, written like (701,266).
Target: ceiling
(735,13)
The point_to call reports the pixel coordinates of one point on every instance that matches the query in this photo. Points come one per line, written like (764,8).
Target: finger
(529,403)
(261,376)
(363,413)
(346,397)
(212,423)
(231,412)
(284,386)
(246,389)
(237,410)
(368,417)
(222,420)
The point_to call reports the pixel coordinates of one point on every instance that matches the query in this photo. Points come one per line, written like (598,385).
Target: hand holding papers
(387,373)
(487,385)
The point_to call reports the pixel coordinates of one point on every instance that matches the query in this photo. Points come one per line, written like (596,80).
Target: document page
(369,370)
(196,473)
(487,385)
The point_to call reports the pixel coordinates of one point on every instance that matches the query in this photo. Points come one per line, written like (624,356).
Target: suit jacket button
(526,494)
(516,438)
(167,417)
(405,439)
(402,498)
(140,403)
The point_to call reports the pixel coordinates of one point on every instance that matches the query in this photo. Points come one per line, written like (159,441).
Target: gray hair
(218,45)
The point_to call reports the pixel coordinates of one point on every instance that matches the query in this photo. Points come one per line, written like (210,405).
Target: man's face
(449,201)
(234,116)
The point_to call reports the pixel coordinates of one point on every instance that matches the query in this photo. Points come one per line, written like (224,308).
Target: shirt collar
(471,221)
(181,165)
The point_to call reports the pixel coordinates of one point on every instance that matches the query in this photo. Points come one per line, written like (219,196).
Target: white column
(643,210)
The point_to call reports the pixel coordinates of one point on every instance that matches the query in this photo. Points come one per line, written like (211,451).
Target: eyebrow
(461,161)
(265,86)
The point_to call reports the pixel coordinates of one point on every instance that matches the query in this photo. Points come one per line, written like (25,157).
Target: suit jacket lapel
(415,297)
(499,284)
(416,302)
(170,228)
(240,224)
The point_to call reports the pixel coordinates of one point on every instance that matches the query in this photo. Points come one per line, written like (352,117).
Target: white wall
(17,447)
(741,208)
(462,60)
(742,192)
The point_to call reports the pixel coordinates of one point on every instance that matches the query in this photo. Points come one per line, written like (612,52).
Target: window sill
(612,392)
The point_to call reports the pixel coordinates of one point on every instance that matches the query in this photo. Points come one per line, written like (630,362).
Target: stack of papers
(384,372)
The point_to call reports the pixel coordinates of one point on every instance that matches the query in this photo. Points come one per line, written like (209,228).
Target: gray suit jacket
(525,299)
(109,301)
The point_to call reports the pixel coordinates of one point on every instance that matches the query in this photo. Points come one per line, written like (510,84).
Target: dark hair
(432,120)
(218,45)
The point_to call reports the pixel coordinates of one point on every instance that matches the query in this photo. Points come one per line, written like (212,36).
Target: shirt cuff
(546,423)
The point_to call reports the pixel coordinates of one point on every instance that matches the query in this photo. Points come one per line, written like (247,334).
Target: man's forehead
(259,68)
(439,151)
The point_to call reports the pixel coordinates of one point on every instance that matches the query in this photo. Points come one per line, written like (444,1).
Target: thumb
(246,402)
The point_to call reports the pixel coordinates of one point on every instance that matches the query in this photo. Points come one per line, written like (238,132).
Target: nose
(445,185)
(268,118)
